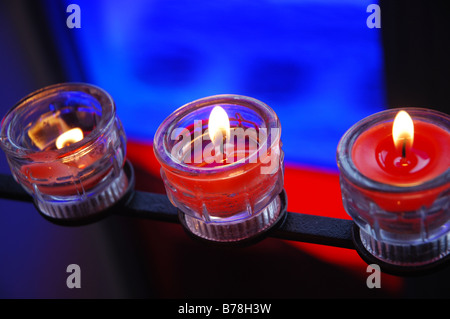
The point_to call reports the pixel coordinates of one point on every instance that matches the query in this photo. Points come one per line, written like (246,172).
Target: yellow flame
(69,137)
(218,125)
(403,129)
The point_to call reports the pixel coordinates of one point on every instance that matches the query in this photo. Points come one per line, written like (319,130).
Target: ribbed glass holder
(238,196)
(402,225)
(66,147)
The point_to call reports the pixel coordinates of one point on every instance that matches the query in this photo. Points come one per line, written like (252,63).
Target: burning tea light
(403,134)
(222,165)
(395,180)
(66,147)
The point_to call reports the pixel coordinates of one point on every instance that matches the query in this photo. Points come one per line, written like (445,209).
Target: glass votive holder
(228,192)
(399,197)
(66,147)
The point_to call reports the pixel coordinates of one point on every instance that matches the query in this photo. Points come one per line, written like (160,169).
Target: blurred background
(315,62)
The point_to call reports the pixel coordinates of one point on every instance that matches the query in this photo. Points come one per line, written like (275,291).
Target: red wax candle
(395,182)
(375,155)
(224,172)
(66,147)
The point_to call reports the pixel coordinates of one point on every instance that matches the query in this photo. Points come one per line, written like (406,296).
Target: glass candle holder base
(238,231)
(402,260)
(227,188)
(399,199)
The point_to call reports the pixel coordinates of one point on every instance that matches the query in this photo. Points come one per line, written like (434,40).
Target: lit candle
(67,168)
(222,165)
(395,181)
(403,154)
(66,147)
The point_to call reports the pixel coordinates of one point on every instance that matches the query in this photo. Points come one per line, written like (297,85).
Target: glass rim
(164,156)
(349,170)
(106,119)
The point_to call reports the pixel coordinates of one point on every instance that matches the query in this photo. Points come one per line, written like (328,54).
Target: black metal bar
(316,229)
(296,227)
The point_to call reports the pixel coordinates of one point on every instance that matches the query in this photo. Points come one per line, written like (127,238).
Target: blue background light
(316,63)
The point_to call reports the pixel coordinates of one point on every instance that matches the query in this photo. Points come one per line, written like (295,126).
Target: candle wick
(404,148)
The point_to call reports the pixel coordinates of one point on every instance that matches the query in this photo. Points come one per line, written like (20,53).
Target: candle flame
(69,137)
(218,126)
(403,129)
